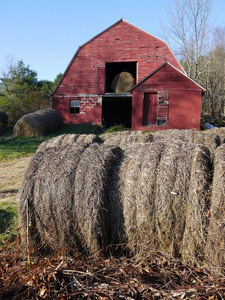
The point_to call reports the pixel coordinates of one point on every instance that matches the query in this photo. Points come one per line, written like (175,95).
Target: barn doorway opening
(115,68)
(116,111)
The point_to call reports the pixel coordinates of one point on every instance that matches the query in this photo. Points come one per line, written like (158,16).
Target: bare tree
(214,76)
(189,29)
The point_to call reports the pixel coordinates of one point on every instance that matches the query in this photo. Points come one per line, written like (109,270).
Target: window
(74,106)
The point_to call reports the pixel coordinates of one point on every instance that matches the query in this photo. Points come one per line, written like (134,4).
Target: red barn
(154,94)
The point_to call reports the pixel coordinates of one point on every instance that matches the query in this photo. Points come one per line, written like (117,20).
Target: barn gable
(169,78)
(121,42)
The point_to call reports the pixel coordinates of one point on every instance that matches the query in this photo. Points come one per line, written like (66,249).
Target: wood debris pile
(62,277)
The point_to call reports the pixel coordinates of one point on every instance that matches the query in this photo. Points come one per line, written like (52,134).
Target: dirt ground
(11,176)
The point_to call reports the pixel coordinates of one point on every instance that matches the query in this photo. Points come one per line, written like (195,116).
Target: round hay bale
(64,197)
(198,204)
(46,200)
(39,123)
(171,195)
(215,248)
(137,185)
(129,174)
(122,82)
(90,197)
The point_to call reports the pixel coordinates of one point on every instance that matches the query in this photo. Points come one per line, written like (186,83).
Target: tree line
(21,92)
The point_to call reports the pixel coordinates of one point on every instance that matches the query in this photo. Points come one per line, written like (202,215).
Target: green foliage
(8,221)
(21,92)
(56,81)
(11,147)
(116,128)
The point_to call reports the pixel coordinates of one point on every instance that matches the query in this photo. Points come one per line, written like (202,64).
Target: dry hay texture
(122,82)
(63,197)
(68,139)
(160,191)
(215,248)
(39,123)
(125,138)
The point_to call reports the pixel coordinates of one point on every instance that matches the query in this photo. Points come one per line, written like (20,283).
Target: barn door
(150,109)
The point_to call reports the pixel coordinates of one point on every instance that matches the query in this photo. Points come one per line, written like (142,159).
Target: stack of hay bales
(39,123)
(149,195)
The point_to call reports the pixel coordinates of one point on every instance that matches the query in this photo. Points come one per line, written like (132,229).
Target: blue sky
(46,33)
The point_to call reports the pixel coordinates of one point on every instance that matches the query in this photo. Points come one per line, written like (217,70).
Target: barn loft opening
(116,111)
(115,68)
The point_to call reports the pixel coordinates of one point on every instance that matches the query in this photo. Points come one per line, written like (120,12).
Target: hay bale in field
(137,192)
(63,193)
(122,82)
(39,123)
(171,196)
(198,204)
(66,139)
(47,192)
(215,248)
(90,197)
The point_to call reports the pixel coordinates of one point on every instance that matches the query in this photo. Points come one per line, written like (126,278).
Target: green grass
(8,221)
(11,147)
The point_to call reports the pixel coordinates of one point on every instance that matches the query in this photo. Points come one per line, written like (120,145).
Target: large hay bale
(197,207)
(39,123)
(90,197)
(47,198)
(171,196)
(137,190)
(122,82)
(215,248)
(63,197)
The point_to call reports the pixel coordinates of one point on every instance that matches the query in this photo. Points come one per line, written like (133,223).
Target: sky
(45,34)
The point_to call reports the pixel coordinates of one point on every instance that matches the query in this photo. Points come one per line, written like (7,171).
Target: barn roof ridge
(160,67)
(99,34)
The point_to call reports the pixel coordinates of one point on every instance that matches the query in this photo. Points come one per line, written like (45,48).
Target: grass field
(11,147)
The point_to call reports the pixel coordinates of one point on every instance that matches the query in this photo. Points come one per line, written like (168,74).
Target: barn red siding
(122,42)
(184,99)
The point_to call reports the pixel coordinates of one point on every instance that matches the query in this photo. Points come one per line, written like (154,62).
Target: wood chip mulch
(79,277)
